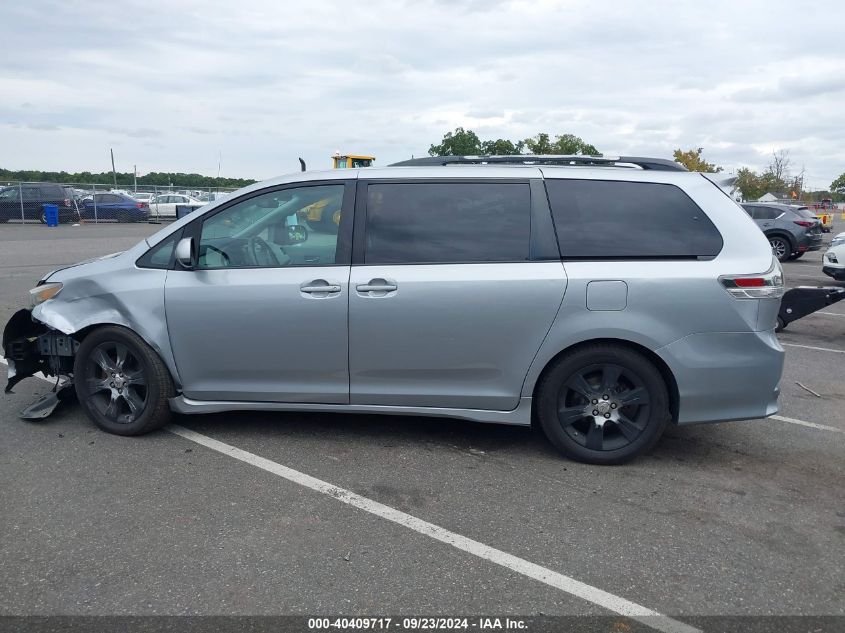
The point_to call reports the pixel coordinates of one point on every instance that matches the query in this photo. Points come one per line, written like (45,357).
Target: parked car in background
(35,196)
(114,206)
(606,302)
(833,262)
(792,231)
(164,205)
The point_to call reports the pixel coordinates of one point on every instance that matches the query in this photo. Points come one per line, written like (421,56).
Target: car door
(31,202)
(454,285)
(263,314)
(163,207)
(10,204)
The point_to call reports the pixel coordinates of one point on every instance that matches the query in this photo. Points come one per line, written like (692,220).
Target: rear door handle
(377,287)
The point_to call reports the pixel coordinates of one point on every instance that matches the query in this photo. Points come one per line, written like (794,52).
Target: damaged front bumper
(31,347)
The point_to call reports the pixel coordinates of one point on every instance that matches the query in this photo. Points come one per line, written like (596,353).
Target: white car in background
(833,263)
(164,204)
(142,196)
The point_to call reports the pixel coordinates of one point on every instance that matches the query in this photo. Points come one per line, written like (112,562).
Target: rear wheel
(123,216)
(121,382)
(780,247)
(603,404)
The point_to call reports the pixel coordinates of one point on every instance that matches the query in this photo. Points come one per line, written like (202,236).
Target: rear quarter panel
(666,300)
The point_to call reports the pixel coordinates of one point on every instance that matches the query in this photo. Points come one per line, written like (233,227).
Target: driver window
(274,229)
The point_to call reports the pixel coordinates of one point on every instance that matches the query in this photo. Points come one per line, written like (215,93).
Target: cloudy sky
(173,84)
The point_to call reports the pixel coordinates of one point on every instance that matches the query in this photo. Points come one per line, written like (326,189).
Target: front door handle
(377,287)
(319,288)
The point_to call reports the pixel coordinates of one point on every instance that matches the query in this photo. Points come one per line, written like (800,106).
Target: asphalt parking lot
(741,518)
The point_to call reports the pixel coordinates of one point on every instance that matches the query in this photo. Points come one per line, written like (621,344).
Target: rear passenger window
(437,223)
(602,219)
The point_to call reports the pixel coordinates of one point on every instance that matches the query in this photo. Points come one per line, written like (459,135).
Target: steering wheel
(260,250)
(226,260)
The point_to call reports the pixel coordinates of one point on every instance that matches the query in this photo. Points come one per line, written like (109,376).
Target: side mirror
(297,233)
(185,253)
(287,234)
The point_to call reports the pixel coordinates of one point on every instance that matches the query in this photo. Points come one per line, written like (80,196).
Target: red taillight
(749,282)
(767,285)
(806,223)
(140,205)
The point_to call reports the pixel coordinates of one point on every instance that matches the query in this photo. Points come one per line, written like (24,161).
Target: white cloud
(169,85)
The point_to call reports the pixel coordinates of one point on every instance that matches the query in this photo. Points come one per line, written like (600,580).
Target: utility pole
(219,160)
(135,175)
(113,172)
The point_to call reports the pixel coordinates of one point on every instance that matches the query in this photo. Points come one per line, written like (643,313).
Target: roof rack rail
(657,164)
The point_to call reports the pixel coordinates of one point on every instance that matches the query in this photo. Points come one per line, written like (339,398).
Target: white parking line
(812,425)
(830,313)
(521,566)
(820,349)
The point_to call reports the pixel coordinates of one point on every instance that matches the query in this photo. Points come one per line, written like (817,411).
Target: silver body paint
(456,340)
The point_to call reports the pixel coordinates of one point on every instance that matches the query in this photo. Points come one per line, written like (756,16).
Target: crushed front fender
(31,347)
(20,347)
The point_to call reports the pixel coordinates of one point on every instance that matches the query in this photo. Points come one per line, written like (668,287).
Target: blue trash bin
(51,214)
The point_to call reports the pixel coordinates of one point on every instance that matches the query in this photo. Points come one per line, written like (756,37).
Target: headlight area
(43,292)
(31,347)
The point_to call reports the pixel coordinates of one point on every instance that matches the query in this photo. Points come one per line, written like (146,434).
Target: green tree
(540,144)
(563,144)
(692,160)
(460,143)
(571,144)
(124,179)
(838,185)
(501,147)
(750,184)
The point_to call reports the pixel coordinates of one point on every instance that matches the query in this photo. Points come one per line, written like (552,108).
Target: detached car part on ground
(477,292)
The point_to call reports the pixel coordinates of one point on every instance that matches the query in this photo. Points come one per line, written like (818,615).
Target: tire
(42,218)
(619,432)
(137,402)
(781,325)
(781,248)
(123,216)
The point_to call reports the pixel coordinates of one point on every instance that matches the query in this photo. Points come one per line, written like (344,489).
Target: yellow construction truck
(343,161)
(318,215)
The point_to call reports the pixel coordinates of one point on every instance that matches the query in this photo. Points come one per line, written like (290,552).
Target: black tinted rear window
(602,219)
(804,212)
(447,222)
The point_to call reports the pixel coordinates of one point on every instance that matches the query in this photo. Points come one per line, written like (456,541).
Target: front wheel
(121,382)
(603,404)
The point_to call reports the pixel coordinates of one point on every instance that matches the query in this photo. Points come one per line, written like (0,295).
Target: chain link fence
(31,202)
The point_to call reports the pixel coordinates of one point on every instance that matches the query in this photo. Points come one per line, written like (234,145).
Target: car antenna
(302,164)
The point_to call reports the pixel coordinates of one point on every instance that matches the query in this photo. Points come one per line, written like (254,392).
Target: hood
(82,263)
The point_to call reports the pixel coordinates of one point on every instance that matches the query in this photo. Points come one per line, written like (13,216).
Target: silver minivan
(601,299)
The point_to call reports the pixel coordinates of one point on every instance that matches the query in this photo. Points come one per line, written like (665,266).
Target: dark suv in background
(792,231)
(35,196)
